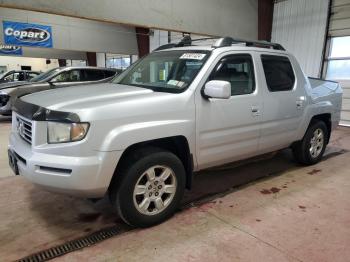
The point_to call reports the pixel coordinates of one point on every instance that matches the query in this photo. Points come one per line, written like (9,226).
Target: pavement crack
(254,236)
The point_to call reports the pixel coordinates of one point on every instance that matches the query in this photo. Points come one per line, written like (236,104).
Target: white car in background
(54,78)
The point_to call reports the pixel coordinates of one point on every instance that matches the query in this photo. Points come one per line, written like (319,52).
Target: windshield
(166,71)
(45,75)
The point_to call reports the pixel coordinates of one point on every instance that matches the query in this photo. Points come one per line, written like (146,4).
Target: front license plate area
(13,162)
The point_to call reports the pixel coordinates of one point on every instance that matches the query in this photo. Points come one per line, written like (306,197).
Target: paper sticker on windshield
(173,82)
(194,56)
(176,83)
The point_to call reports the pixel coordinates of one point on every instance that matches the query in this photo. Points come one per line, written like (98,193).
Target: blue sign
(24,34)
(10,50)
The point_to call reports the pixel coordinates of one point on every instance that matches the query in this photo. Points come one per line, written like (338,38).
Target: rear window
(278,72)
(93,74)
(109,73)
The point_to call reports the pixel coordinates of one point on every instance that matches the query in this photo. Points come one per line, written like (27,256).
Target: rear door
(284,102)
(229,129)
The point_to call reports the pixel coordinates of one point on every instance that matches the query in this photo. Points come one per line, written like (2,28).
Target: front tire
(151,187)
(310,150)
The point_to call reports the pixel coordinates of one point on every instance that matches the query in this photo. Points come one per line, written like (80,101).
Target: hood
(74,99)
(13,84)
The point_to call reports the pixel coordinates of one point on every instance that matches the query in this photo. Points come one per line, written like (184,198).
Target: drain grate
(73,245)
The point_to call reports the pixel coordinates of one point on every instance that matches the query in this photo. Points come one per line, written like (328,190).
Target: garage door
(338,61)
(345,114)
(340,18)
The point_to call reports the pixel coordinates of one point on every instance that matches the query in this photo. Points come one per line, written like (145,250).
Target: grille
(24,129)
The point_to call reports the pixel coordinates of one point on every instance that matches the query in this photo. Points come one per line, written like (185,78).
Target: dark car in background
(17,76)
(51,79)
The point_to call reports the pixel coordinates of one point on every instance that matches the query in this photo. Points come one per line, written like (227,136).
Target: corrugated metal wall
(300,26)
(340,19)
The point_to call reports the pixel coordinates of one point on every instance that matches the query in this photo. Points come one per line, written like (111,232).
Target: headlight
(66,132)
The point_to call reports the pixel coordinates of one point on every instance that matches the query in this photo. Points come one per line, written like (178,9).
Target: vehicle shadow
(216,182)
(5,119)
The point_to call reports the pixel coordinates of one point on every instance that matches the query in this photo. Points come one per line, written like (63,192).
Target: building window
(117,61)
(338,61)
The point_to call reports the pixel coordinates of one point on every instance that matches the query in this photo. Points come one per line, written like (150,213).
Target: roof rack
(185,41)
(222,42)
(228,41)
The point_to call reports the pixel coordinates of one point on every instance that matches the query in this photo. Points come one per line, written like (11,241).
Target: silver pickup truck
(181,109)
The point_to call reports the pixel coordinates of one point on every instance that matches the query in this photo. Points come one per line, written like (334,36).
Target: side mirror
(217,89)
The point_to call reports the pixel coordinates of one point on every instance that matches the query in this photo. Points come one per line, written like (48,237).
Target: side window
(68,76)
(93,75)
(109,73)
(30,75)
(21,76)
(239,71)
(17,76)
(9,77)
(278,72)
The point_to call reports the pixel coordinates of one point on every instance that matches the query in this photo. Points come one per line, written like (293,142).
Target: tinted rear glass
(278,72)
(109,73)
(93,75)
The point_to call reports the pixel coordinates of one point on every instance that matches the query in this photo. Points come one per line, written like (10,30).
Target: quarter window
(239,71)
(278,73)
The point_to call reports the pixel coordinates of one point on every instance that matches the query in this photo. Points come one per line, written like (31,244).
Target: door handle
(255,111)
(299,104)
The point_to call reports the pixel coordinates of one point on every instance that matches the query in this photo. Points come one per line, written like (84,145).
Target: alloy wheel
(154,190)
(316,143)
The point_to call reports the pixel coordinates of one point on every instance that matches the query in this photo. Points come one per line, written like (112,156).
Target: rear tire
(150,187)
(310,150)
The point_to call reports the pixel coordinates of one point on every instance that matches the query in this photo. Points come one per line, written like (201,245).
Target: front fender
(126,135)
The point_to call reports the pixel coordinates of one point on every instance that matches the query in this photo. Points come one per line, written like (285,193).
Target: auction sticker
(176,83)
(194,56)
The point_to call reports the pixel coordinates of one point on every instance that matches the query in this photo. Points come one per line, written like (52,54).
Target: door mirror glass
(218,89)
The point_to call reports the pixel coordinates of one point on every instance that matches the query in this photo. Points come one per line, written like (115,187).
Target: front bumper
(80,176)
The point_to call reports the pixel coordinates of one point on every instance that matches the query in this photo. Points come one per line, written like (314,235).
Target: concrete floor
(267,210)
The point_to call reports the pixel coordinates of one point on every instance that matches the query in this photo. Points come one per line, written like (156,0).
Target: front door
(229,129)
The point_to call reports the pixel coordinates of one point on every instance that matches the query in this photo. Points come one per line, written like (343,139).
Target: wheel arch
(327,119)
(178,145)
